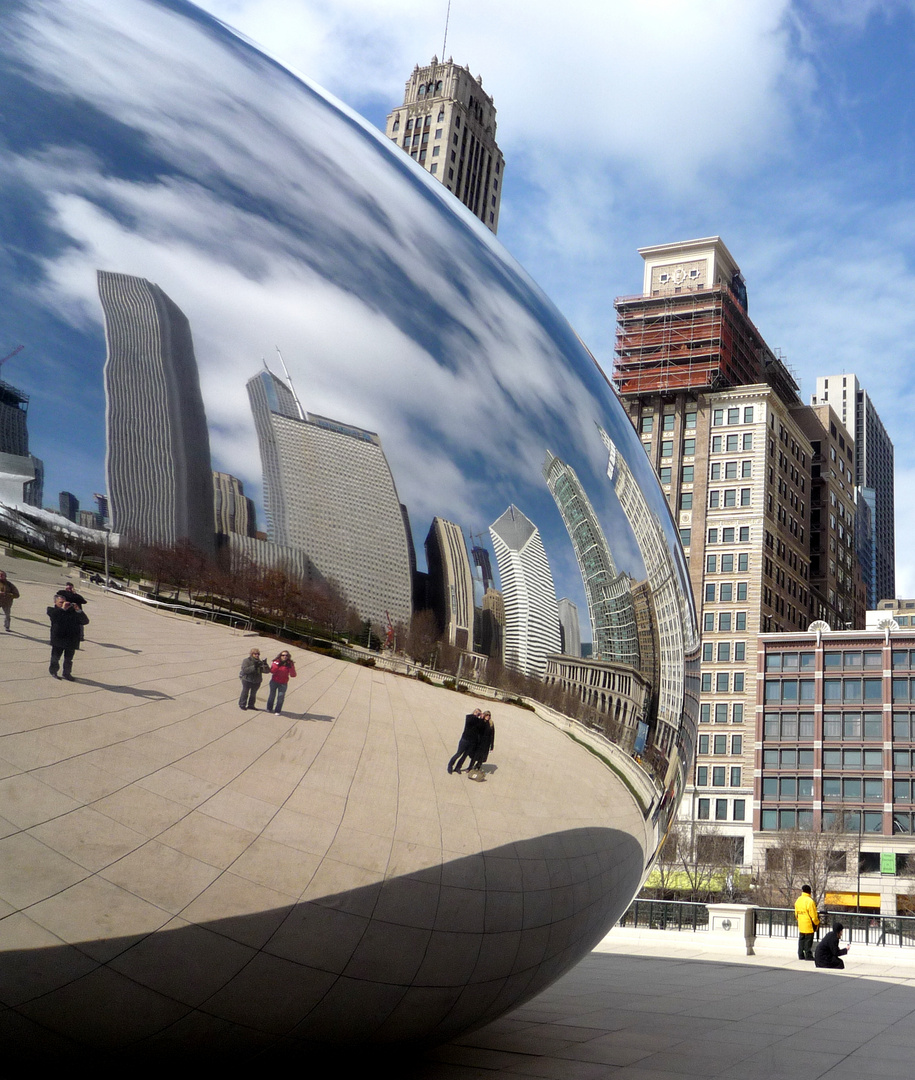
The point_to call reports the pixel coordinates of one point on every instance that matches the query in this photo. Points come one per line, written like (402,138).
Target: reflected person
(281,671)
(67,623)
(252,674)
(8,593)
(486,742)
(470,737)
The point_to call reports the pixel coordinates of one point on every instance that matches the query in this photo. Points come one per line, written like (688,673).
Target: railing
(666,915)
(775,922)
(897,931)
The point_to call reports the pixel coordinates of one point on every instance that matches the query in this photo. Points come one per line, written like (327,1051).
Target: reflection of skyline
(160,485)
(666,598)
(331,495)
(610,608)
(531,629)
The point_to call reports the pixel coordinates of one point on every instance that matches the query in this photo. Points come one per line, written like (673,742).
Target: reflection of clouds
(270,218)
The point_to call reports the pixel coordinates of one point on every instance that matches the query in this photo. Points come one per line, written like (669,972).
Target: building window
(689,420)
(702,776)
(740,651)
(686,500)
(710,594)
(721,713)
(689,447)
(740,809)
(687,476)
(718,776)
(720,744)
(703,744)
(706,682)
(724,621)
(736,744)
(722,682)
(704,805)
(717,417)
(664,474)
(647,424)
(724,652)
(740,620)
(685,537)
(708,652)
(748,414)
(435,150)
(721,809)
(434,169)
(708,620)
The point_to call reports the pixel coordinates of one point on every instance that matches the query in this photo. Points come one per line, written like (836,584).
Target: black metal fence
(666,915)
(897,931)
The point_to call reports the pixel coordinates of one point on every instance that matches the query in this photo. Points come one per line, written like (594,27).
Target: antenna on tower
(295,396)
(445,38)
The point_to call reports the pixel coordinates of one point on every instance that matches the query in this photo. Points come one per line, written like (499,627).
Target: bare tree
(803,857)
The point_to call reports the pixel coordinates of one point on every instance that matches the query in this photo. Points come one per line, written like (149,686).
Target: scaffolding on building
(691,340)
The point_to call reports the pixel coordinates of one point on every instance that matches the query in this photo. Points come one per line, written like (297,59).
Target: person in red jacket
(281,671)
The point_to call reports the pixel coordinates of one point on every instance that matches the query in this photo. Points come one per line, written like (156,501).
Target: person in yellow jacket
(808,921)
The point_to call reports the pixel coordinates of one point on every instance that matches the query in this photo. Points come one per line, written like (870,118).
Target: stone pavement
(674,1008)
(667,1006)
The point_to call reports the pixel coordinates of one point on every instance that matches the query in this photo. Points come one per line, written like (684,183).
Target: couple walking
(478,738)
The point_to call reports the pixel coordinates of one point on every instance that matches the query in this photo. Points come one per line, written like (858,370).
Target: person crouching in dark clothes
(486,742)
(67,623)
(828,954)
(474,727)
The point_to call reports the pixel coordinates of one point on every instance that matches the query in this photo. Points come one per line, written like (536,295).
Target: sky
(784,127)
(787,128)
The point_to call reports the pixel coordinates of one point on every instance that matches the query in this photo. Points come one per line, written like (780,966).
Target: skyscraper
(21,473)
(450,582)
(233,511)
(329,493)
(160,484)
(613,629)
(448,124)
(874,479)
(718,415)
(531,628)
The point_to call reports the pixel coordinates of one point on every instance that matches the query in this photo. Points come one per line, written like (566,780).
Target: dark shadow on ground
(133,691)
(111,645)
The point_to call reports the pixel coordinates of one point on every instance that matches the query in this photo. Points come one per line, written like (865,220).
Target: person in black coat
(67,623)
(828,954)
(474,726)
(485,743)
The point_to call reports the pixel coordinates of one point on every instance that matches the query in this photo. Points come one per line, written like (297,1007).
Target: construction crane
(10,355)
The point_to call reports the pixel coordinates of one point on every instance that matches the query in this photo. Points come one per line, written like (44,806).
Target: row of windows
(851,820)
(668,422)
(718,775)
(845,690)
(730,470)
(718,744)
(793,661)
(722,682)
(788,758)
(726,592)
(729,535)
(722,651)
(726,563)
(903,658)
(721,710)
(728,444)
(728,497)
(738,809)
(732,416)
(726,622)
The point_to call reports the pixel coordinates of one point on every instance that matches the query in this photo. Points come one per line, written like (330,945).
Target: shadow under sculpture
(145,142)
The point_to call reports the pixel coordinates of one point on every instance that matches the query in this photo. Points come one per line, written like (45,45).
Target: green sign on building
(887,862)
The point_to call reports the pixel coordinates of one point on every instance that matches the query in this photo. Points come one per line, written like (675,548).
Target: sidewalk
(673,1008)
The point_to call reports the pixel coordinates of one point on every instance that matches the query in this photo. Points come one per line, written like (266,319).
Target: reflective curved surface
(447,450)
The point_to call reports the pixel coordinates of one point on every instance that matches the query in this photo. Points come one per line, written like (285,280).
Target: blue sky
(787,128)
